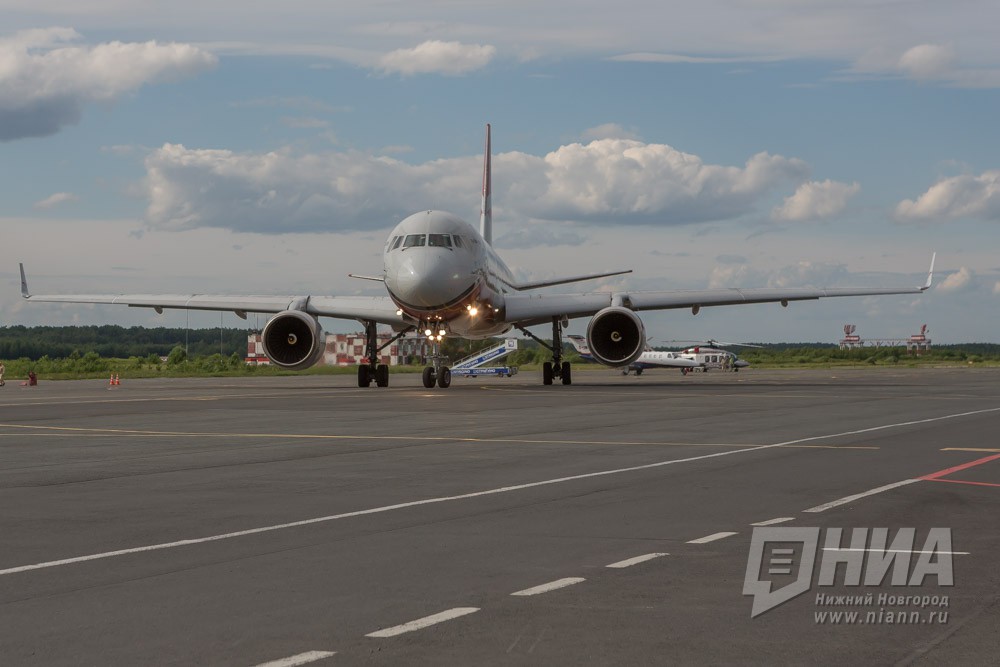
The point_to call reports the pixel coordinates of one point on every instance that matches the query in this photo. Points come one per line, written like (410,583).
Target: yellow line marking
(64,431)
(968,449)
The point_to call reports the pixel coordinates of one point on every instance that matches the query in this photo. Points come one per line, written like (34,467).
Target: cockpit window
(458,241)
(439,240)
(415,240)
(396,242)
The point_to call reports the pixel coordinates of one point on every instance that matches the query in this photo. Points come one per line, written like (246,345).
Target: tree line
(113,341)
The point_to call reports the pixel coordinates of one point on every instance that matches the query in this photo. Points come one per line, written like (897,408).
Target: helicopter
(710,355)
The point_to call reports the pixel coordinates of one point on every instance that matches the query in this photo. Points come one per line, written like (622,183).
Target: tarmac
(303,520)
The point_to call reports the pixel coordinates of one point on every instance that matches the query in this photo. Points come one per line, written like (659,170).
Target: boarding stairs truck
(475,364)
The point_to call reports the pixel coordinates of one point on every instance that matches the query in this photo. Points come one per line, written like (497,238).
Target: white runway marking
(771,522)
(711,538)
(629,562)
(477,494)
(856,496)
(424,622)
(899,551)
(300,659)
(551,586)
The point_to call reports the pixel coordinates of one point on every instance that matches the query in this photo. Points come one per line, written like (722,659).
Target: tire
(364,376)
(567,374)
(382,375)
(547,373)
(444,379)
(638,371)
(429,378)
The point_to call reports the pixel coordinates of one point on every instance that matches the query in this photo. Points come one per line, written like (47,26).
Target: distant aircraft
(443,277)
(649,358)
(710,355)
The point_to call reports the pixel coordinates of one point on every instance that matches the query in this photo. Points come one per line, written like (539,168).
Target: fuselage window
(396,242)
(439,240)
(415,240)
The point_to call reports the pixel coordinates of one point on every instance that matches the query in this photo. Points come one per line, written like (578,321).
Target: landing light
(441,332)
(428,333)
(473,311)
(399,312)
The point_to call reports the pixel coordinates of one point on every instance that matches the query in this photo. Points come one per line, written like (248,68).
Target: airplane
(443,277)
(649,358)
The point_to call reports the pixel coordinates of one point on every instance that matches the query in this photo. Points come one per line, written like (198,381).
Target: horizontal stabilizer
(562,281)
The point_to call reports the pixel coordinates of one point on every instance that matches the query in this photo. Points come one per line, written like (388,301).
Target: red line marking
(964,466)
(961,481)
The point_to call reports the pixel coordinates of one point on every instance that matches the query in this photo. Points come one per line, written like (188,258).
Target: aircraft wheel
(429,378)
(444,379)
(364,376)
(638,371)
(684,371)
(547,372)
(382,375)
(736,370)
(567,375)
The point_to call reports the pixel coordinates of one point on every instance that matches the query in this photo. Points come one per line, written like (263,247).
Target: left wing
(379,309)
(530,309)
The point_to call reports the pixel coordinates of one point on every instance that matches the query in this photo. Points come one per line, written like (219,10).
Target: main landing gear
(557,368)
(374,371)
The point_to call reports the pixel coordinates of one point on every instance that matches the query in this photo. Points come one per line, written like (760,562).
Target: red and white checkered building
(349,350)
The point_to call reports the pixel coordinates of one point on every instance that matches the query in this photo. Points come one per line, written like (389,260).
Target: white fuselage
(441,273)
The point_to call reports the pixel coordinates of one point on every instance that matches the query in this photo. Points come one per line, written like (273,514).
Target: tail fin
(580,344)
(486,212)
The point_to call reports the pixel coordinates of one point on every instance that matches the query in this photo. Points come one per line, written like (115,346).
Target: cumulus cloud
(614,181)
(927,62)
(55,199)
(958,281)
(45,83)
(964,196)
(815,200)
(437,57)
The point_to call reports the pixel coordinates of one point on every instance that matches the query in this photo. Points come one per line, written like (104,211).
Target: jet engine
(616,336)
(293,339)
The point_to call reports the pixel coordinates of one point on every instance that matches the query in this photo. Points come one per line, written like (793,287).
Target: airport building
(349,350)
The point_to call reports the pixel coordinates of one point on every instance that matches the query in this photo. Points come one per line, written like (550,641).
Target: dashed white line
(771,522)
(424,622)
(479,494)
(629,562)
(551,586)
(711,538)
(300,659)
(849,499)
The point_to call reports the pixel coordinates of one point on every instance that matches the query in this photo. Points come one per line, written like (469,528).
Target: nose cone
(429,278)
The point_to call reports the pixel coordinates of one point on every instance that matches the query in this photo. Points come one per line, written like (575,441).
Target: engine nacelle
(293,340)
(616,336)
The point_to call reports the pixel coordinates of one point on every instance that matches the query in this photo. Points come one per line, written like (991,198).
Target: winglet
(24,283)
(930,274)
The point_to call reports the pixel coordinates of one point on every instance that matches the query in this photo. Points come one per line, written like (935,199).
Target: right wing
(379,309)
(531,309)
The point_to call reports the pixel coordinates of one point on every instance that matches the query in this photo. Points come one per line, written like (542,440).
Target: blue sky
(752,143)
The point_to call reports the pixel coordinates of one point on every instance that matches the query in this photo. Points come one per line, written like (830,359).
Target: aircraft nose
(425,279)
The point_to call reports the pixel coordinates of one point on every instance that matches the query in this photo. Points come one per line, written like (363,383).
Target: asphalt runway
(302,520)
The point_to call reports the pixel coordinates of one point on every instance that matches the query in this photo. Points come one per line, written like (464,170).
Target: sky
(270,148)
